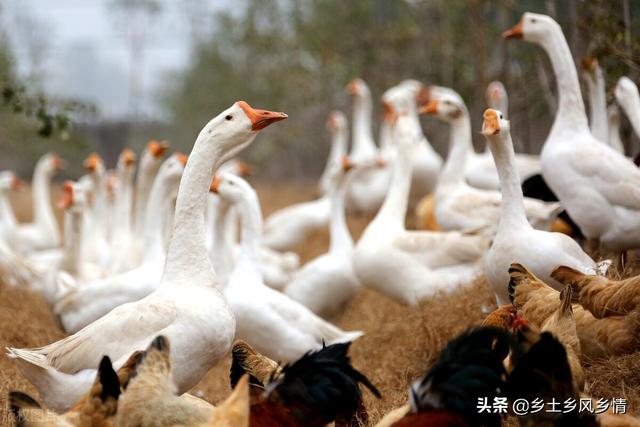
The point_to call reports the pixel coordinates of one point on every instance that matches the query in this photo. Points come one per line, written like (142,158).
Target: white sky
(85,50)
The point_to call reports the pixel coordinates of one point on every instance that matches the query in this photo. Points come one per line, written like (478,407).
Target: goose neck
(340,237)
(7,216)
(42,210)
(160,199)
(460,147)
(394,207)
(512,207)
(362,134)
(72,240)
(571,111)
(187,259)
(251,226)
(598,105)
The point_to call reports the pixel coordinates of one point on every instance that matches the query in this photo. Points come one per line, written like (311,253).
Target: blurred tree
(297,55)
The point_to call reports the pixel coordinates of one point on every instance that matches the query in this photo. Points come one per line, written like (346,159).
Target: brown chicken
(261,369)
(536,302)
(150,398)
(95,409)
(601,296)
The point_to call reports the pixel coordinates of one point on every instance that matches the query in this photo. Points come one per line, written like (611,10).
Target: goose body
(289,226)
(516,240)
(277,326)
(458,206)
(410,265)
(188,307)
(599,187)
(93,300)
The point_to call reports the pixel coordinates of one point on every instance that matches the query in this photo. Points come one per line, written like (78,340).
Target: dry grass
(399,345)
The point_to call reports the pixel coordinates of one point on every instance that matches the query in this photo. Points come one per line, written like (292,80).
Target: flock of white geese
(192,260)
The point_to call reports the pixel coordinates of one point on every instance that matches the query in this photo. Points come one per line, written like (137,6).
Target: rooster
(601,296)
(468,369)
(319,388)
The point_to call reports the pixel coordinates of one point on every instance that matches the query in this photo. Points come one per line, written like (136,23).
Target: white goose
(93,300)
(626,93)
(43,232)
(592,74)
(516,240)
(274,324)
(600,188)
(367,192)
(404,99)
(459,206)
(326,283)
(337,124)
(188,308)
(410,265)
(74,203)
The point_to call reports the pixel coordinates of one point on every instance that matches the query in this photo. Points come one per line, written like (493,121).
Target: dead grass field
(399,345)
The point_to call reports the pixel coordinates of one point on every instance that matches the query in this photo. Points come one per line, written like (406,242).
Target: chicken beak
(215,184)
(515,32)
(157,148)
(491,124)
(260,119)
(430,108)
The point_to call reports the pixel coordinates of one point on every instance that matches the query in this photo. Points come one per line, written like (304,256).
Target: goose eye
(500,116)
(229,117)
(534,20)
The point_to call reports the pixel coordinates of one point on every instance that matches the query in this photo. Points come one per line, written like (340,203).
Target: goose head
(533,27)
(496,94)
(494,123)
(9,181)
(336,122)
(157,148)
(93,163)
(127,159)
(358,88)
(234,129)
(445,104)
(230,188)
(626,92)
(404,97)
(74,197)
(51,163)
(171,169)
(589,66)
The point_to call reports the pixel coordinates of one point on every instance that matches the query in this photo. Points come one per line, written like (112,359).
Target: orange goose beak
(215,184)
(389,113)
(430,108)
(182,158)
(92,162)
(346,163)
(515,32)
(245,169)
(491,124)
(157,148)
(128,156)
(260,119)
